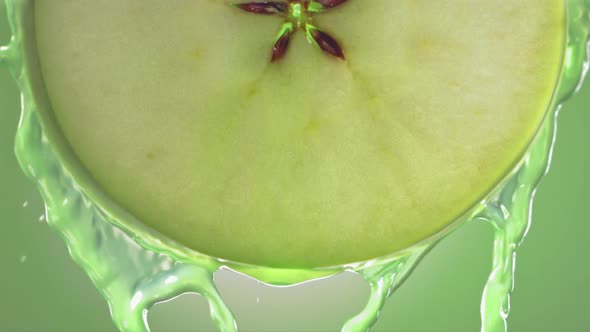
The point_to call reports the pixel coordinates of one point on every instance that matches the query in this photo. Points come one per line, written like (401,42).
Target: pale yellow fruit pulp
(176,112)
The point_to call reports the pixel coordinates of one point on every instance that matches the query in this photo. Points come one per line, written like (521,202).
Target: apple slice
(176,111)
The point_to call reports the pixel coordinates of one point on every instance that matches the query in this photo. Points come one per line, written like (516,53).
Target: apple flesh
(175,110)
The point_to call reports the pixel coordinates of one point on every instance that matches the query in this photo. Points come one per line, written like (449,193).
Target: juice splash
(134,269)
(509,212)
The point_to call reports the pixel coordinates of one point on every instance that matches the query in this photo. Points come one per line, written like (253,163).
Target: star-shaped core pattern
(298,15)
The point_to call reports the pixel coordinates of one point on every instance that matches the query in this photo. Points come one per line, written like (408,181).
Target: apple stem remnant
(298,15)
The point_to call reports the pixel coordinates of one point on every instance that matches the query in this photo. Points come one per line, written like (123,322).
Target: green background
(42,290)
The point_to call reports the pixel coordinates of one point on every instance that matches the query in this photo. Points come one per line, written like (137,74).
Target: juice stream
(134,269)
(510,211)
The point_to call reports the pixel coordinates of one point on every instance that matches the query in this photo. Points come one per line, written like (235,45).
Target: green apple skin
(175,111)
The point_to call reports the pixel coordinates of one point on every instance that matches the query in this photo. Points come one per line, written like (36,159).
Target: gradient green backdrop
(41,290)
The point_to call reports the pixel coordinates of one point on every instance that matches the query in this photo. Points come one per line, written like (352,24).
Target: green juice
(134,267)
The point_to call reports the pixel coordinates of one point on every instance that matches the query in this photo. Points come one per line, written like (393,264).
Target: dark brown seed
(263,8)
(327,43)
(330,3)
(280,48)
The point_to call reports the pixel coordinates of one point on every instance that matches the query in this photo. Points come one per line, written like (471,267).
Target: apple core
(298,15)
